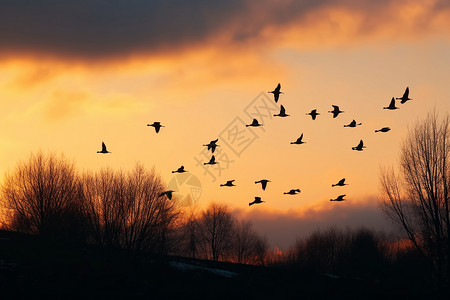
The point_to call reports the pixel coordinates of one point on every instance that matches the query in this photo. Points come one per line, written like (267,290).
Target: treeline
(47,196)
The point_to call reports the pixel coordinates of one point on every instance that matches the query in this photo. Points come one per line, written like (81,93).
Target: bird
(263,183)
(254,124)
(104,151)
(157,126)
(212,145)
(256,201)
(384,129)
(276,93)
(339,198)
(359,147)
(282,113)
(313,114)
(340,183)
(405,96)
(292,192)
(299,140)
(180,170)
(336,111)
(391,105)
(212,161)
(352,124)
(167,193)
(229,183)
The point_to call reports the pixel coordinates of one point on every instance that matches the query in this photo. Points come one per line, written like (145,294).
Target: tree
(245,239)
(124,210)
(216,225)
(418,199)
(40,195)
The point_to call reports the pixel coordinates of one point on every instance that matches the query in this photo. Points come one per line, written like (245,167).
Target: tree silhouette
(216,225)
(124,209)
(418,199)
(40,194)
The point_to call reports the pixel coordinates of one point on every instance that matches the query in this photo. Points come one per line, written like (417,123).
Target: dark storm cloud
(108,28)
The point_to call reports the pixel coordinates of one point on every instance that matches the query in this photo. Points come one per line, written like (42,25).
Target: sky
(76,73)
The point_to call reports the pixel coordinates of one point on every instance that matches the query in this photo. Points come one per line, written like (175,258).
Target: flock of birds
(212,145)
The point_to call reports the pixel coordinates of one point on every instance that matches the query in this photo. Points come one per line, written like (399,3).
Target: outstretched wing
(264,184)
(406,93)
(282,110)
(341,182)
(103,147)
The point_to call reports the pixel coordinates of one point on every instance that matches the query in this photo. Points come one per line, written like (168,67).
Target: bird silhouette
(336,111)
(384,129)
(167,193)
(228,183)
(256,201)
(263,183)
(212,161)
(405,96)
(157,126)
(276,93)
(292,192)
(104,151)
(352,124)
(254,124)
(282,113)
(359,147)
(180,170)
(391,105)
(212,145)
(313,114)
(299,140)
(340,183)
(339,198)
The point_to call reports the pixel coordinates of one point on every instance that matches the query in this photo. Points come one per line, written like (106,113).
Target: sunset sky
(76,73)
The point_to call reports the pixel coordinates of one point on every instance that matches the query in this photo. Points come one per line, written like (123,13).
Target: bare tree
(124,209)
(418,198)
(216,225)
(248,246)
(40,194)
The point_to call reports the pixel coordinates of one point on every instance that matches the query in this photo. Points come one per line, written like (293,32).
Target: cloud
(101,29)
(282,228)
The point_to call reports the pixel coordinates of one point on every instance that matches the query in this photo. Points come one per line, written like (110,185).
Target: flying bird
(359,147)
(263,183)
(256,201)
(167,193)
(228,183)
(384,129)
(391,105)
(292,192)
(212,161)
(157,126)
(313,114)
(340,183)
(339,198)
(405,96)
(276,93)
(104,151)
(336,111)
(180,170)
(282,113)
(254,124)
(212,145)
(352,124)
(299,140)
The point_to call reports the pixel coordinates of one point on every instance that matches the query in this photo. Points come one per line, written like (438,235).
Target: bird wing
(335,107)
(282,110)
(264,184)
(157,128)
(276,97)
(361,144)
(103,147)
(215,141)
(406,93)
(392,104)
(300,138)
(341,181)
(278,88)
(257,198)
(213,159)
